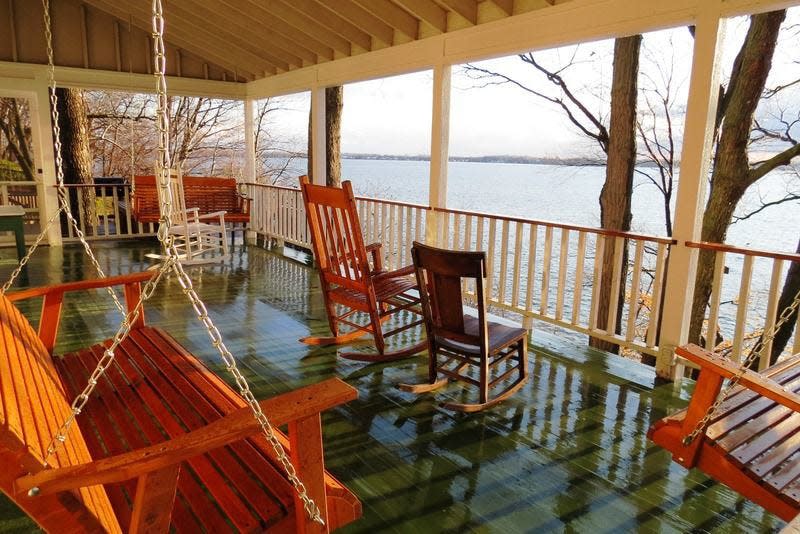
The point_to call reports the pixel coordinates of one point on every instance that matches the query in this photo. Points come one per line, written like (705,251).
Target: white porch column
(44,158)
(249,174)
(691,196)
(440,149)
(318,147)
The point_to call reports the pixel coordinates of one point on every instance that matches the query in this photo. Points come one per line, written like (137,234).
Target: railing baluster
(658,289)
(501,286)
(714,300)
(597,274)
(402,237)
(772,311)
(392,245)
(546,267)
(633,299)
(517,260)
(562,273)
(616,275)
(104,205)
(534,230)
(741,310)
(577,292)
(490,260)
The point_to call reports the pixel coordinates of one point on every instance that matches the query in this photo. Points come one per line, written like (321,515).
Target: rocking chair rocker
(349,281)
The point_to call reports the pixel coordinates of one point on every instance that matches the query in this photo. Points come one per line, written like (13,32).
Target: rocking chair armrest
(722,366)
(397,273)
(293,406)
(377,258)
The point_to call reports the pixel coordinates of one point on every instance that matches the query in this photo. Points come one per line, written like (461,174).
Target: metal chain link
(165,197)
(765,339)
(62,193)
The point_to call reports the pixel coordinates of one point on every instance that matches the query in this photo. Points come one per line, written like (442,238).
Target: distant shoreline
(528,160)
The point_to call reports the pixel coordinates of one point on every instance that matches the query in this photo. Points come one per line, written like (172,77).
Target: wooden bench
(753,443)
(208,194)
(162,443)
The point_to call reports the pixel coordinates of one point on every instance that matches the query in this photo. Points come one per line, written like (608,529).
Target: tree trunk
(615,198)
(333,125)
(732,176)
(75,152)
(791,287)
(333,134)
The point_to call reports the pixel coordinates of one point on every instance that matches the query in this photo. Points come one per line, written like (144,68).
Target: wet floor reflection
(567,453)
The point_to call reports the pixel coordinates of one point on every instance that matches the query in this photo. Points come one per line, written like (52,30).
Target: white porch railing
(746,288)
(25,194)
(537,269)
(114,219)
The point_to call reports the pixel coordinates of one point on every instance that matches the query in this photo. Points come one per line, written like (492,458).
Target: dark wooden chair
(752,443)
(350,284)
(457,341)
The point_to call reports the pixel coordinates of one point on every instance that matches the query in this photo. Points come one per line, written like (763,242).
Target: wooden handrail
(722,247)
(292,406)
(576,227)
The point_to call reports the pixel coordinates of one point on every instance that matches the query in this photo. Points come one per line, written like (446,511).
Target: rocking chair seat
(500,336)
(385,289)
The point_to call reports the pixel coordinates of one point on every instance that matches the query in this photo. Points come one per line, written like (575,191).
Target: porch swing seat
(752,444)
(162,444)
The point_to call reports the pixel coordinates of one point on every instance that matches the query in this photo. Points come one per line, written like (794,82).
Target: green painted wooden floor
(568,453)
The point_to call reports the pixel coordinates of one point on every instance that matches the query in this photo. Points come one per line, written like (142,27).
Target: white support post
(318,145)
(440,148)
(44,158)
(249,174)
(696,155)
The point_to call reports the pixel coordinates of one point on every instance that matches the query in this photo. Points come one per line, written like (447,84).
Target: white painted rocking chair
(199,238)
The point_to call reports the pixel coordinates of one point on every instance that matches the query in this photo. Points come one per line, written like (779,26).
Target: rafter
(194,16)
(333,21)
(507,6)
(265,42)
(304,24)
(426,10)
(360,17)
(143,24)
(267,22)
(392,15)
(466,8)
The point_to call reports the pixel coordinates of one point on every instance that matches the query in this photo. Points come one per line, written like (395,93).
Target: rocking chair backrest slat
(32,408)
(439,276)
(336,234)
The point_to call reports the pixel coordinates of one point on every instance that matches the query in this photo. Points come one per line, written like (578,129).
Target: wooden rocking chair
(348,280)
(458,341)
(162,445)
(752,442)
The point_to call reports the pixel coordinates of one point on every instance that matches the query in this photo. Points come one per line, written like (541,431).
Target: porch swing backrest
(340,251)
(34,405)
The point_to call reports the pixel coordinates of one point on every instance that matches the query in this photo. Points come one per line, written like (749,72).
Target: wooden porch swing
(748,436)
(163,444)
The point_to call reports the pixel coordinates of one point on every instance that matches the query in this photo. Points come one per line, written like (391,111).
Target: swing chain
(764,340)
(185,281)
(62,193)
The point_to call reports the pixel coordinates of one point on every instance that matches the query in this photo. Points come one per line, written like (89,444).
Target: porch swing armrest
(294,406)
(722,366)
(122,280)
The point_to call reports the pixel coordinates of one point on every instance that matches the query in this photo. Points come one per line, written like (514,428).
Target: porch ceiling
(236,40)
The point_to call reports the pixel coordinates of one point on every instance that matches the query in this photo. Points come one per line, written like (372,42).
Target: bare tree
(75,152)
(333,124)
(16,132)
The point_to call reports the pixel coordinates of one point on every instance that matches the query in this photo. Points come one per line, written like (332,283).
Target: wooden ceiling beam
(303,24)
(260,43)
(192,16)
(144,24)
(426,10)
(257,15)
(360,17)
(333,21)
(466,8)
(392,15)
(506,5)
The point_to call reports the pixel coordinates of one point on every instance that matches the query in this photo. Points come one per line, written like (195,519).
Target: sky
(392,115)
